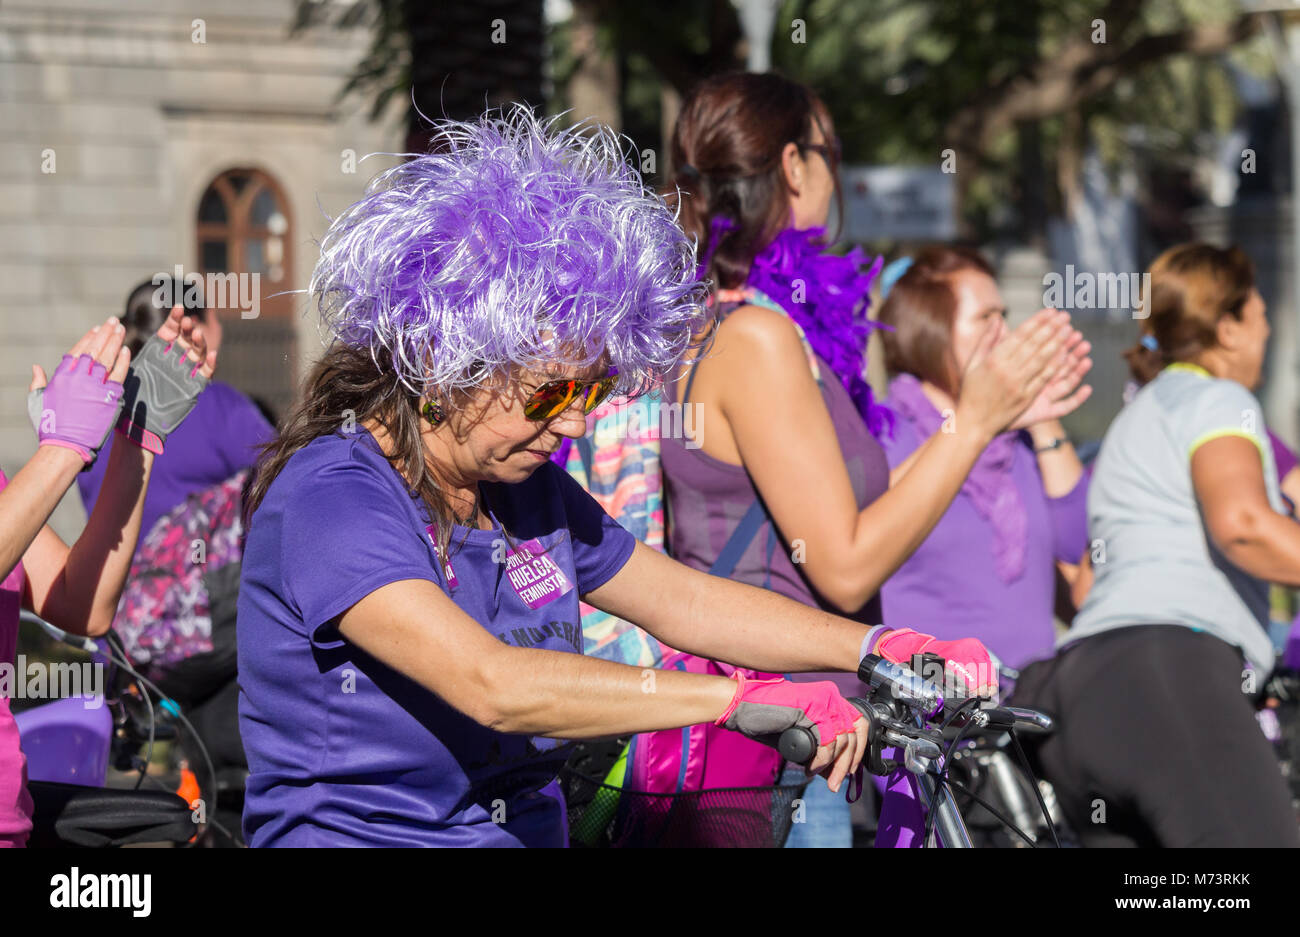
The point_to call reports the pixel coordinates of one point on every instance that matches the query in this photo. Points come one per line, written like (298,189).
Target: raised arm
(30,498)
(1058,463)
(78,587)
(73,415)
(779,427)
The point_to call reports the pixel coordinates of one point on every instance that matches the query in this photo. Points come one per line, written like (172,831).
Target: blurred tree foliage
(1017,90)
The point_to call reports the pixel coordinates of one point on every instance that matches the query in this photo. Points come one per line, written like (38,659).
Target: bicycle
(910,716)
(71,743)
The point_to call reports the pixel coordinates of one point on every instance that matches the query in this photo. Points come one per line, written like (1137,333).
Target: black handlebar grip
(797,745)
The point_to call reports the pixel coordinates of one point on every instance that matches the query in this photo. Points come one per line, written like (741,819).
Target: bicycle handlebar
(902,684)
(799,744)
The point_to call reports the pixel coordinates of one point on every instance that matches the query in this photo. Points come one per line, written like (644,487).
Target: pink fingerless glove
(77,408)
(966,657)
(768,707)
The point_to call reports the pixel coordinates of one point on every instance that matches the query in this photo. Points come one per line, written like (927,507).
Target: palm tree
(452,59)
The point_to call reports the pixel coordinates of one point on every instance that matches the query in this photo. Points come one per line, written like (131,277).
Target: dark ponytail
(726,154)
(144,314)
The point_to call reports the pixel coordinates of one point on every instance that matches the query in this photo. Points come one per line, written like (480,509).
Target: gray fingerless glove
(161,388)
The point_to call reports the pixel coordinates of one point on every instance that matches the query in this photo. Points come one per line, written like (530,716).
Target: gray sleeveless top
(707,497)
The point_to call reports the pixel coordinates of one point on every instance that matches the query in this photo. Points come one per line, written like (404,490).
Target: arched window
(243,228)
(243,225)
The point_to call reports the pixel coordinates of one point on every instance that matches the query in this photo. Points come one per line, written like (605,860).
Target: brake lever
(918,754)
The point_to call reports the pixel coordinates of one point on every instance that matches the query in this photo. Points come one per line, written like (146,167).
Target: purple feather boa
(831,308)
(828,297)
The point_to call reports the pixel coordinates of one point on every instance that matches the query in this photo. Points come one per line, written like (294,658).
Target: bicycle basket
(602,816)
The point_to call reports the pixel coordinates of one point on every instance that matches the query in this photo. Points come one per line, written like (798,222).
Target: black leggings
(1156,744)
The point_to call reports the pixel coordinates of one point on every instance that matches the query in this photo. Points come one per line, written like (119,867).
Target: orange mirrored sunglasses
(554,397)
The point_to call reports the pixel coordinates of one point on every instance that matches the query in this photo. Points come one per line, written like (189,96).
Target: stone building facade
(138,135)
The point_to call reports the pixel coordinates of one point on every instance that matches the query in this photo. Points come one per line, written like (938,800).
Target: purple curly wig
(513,242)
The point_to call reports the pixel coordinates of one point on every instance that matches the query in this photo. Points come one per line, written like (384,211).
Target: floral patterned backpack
(185,576)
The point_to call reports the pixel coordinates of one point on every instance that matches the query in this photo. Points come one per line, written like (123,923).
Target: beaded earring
(433,413)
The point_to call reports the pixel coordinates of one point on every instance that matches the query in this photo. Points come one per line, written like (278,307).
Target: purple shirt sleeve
(244,429)
(1069,514)
(1282,455)
(343,537)
(601,546)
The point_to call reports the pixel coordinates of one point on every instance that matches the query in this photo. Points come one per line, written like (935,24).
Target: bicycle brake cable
(1042,804)
(996,815)
(211,820)
(941,777)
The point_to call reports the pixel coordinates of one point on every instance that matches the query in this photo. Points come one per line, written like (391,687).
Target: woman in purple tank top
(781,413)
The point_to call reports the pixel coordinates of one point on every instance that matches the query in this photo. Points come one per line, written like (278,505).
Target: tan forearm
(562,695)
(1060,467)
(726,620)
(891,528)
(898,471)
(760,629)
(413,627)
(31,497)
(84,599)
(1264,544)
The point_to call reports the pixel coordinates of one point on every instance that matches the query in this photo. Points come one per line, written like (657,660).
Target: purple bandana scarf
(990,485)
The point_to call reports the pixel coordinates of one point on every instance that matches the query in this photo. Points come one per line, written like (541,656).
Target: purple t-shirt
(949,587)
(218,438)
(1284,458)
(344,750)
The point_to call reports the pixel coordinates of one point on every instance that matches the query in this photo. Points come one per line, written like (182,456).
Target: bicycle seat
(71,815)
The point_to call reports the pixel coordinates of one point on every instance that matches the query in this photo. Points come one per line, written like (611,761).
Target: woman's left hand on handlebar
(841,758)
(763,708)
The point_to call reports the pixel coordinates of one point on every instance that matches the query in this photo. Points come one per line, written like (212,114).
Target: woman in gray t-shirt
(1156,742)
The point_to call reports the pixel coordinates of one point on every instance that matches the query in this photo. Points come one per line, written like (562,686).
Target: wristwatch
(1056,443)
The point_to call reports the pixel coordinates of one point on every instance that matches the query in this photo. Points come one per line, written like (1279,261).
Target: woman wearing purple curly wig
(790,418)
(409,633)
